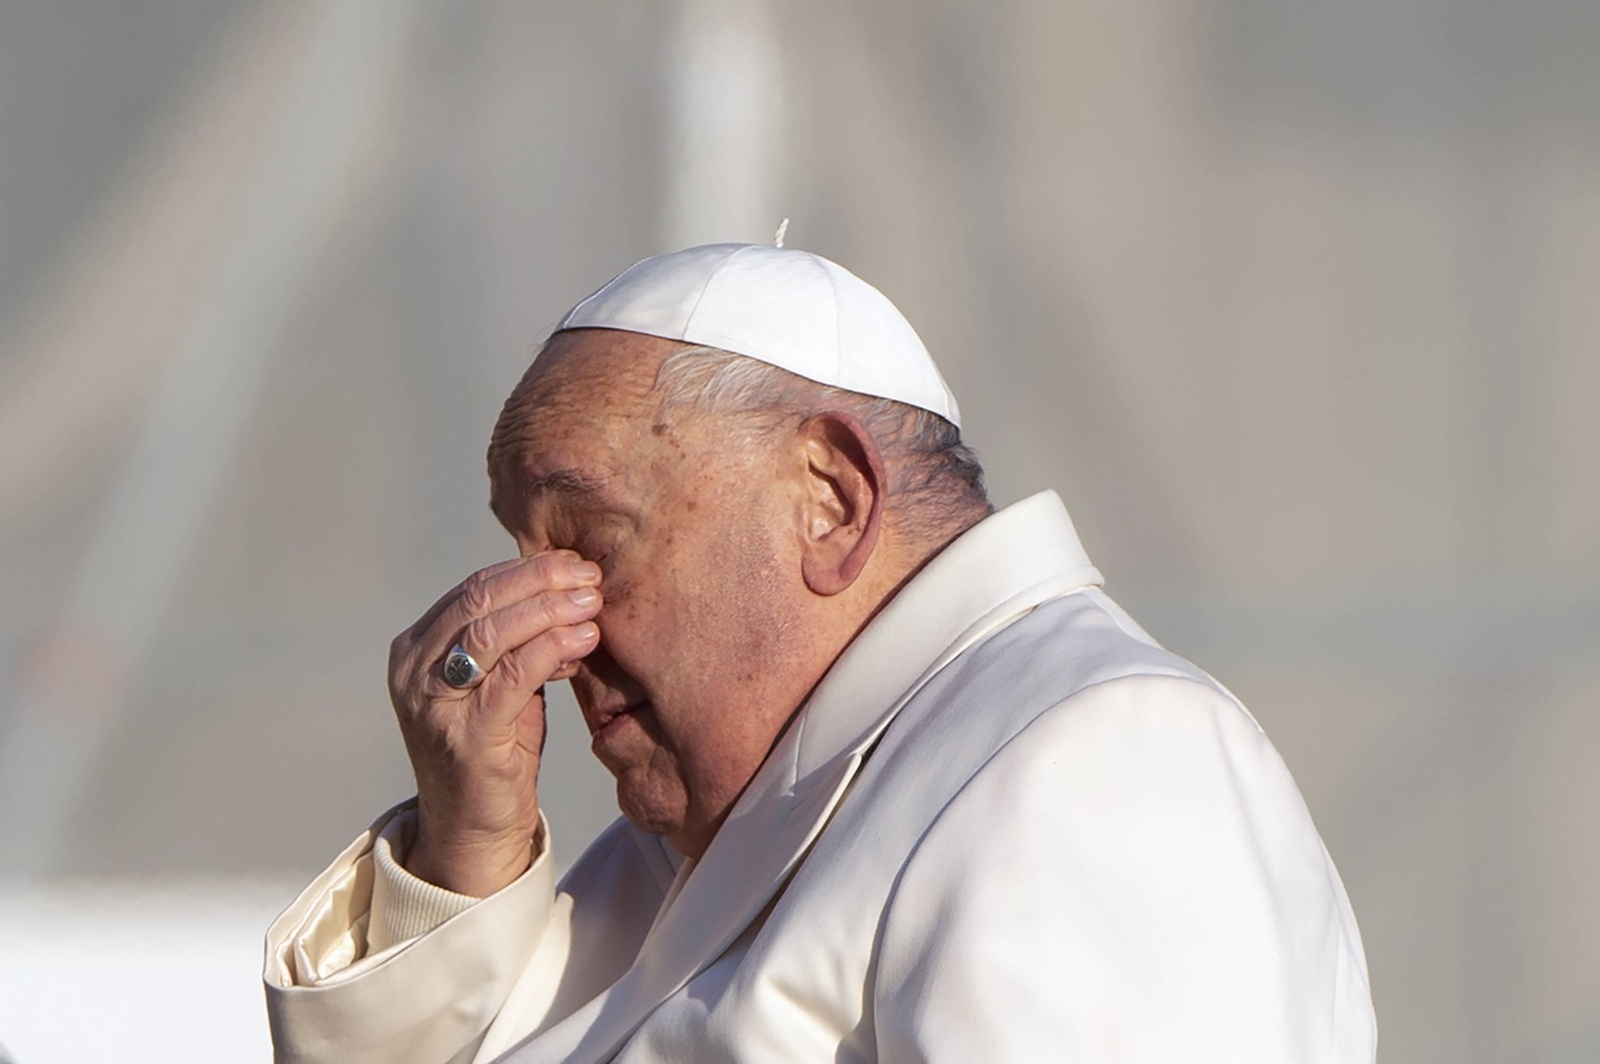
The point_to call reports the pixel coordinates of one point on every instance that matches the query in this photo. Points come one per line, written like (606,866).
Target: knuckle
(475,594)
(481,634)
(550,608)
(555,567)
(515,670)
(401,667)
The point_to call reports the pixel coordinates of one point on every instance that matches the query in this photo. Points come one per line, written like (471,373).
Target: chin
(651,811)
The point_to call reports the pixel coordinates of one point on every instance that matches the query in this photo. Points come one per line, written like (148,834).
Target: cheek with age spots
(621,605)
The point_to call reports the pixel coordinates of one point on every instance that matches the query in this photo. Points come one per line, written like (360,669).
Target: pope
(898,780)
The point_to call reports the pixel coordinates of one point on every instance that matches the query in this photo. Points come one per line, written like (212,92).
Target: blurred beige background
(1298,306)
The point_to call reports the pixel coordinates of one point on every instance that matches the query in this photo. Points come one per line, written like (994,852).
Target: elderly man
(898,781)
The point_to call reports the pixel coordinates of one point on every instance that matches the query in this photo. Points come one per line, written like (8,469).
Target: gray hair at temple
(935,480)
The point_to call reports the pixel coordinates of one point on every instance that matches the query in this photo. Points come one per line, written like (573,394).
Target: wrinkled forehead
(586,405)
(605,365)
(582,375)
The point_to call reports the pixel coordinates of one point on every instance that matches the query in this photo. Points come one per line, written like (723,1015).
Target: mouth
(608,721)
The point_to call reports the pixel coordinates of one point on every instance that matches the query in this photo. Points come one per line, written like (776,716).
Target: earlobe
(842,502)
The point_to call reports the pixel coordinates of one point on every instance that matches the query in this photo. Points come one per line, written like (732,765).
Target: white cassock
(1007,826)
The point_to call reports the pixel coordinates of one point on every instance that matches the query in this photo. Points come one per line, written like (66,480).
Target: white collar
(1000,568)
(995,572)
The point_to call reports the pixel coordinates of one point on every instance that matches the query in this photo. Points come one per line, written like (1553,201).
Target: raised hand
(475,751)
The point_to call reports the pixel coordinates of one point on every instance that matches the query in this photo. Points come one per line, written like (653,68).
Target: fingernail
(583,596)
(587,631)
(585,572)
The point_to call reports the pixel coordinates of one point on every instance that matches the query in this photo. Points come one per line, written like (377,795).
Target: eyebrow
(568,483)
(572,485)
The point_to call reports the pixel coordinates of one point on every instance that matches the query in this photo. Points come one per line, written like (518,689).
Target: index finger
(450,596)
(496,587)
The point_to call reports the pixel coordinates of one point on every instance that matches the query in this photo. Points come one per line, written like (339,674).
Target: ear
(841,503)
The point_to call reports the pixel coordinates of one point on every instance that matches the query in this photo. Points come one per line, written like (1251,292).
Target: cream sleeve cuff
(406,907)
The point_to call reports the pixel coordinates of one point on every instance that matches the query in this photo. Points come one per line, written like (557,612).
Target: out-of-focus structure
(1295,304)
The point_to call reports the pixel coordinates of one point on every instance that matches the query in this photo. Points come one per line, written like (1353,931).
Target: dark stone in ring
(460,671)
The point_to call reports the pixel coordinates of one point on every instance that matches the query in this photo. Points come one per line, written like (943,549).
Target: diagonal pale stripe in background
(125,584)
(1294,304)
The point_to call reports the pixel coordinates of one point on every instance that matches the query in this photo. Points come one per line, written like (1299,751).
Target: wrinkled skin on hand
(475,752)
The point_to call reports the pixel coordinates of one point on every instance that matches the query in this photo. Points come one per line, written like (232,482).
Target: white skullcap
(782,306)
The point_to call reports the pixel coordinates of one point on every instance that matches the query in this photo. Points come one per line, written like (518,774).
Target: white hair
(934,476)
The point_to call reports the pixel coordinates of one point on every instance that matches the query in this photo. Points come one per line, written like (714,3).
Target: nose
(599,680)
(596,668)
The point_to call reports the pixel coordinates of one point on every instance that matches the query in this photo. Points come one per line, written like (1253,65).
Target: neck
(832,627)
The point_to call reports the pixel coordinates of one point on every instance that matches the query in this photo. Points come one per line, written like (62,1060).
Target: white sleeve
(372,966)
(404,906)
(1133,879)
(347,981)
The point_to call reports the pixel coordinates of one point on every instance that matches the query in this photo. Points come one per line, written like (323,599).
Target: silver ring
(460,671)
